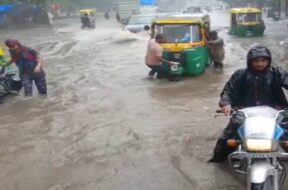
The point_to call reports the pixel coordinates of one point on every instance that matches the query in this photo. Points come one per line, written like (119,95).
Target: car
(192,10)
(136,23)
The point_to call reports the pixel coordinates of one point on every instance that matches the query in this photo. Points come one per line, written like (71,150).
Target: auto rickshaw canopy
(245,10)
(182,19)
(88,11)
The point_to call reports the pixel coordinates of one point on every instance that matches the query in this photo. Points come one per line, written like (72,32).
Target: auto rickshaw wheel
(175,78)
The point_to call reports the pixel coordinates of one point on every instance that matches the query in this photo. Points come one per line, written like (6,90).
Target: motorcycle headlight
(260,145)
(174,68)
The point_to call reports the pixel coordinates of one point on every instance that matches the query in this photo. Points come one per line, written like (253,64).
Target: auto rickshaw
(246,22)
(185,43)
(88,18)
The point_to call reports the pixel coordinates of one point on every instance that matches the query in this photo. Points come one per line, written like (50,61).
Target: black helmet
(258,51)
(213,33)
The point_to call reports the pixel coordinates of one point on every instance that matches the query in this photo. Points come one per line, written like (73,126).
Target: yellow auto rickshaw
(185,42)
(246,22)
(88,18)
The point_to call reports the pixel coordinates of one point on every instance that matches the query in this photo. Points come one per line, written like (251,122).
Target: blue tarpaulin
(6,8)
(148,2)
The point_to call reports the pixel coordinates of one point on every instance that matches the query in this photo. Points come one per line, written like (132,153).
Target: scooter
(259,154)
(8,84)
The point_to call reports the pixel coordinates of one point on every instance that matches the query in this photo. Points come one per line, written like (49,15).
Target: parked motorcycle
(259,154)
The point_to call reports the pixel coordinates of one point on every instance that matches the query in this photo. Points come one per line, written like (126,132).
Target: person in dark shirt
(30,67)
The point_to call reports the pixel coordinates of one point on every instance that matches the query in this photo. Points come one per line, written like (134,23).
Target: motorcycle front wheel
(268,185)
(257,186)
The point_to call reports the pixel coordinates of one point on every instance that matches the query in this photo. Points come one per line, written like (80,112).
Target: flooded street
(106,126)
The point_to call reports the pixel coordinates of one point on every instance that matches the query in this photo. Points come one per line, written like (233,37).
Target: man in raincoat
(216,47)
(259,84)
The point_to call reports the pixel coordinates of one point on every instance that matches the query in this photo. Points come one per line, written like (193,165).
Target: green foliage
(29,1)
(101,4)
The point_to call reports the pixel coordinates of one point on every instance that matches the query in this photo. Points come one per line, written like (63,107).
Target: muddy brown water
(106,126)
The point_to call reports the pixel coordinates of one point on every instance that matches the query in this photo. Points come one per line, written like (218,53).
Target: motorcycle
(259,154)
(9,84)
(276,16)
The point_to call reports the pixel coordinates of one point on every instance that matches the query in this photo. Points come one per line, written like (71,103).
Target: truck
(127,8)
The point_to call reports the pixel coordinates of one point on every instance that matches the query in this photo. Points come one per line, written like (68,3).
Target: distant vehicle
(88,18)
(207,8)
(246,22)
(127,8)
(276,16)
(137,23)
(193,10)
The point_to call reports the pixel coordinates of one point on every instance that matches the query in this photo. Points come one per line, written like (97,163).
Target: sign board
(147,2)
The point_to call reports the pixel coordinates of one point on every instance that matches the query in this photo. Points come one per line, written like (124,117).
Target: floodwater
(106,126)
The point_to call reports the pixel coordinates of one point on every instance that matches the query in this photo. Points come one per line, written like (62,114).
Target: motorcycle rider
(259,84)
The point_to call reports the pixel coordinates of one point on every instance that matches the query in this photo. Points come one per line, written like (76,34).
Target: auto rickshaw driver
(85,20)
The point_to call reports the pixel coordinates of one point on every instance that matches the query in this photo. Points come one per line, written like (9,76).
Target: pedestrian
(154,54)
(30,67)
(107,15)
(216,47)
(118,17)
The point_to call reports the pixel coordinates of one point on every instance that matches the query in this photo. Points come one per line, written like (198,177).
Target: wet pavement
(106,126)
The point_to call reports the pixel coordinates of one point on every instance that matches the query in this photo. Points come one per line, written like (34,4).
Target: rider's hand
(226,110)
(37,70)
(173,63)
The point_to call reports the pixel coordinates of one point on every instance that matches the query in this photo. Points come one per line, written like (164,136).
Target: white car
(136,23)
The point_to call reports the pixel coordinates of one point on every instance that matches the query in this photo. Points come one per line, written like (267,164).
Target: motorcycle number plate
(263,155)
